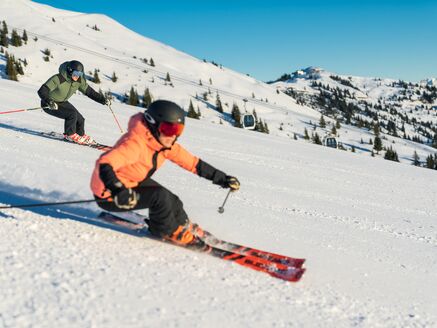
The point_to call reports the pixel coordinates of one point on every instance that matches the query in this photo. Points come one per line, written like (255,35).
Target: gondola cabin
(330,142)
(248,121)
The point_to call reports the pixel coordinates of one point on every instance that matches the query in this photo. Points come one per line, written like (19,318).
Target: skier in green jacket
(58,89)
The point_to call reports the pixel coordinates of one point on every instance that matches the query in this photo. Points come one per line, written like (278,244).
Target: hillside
(108,48)
(366,227)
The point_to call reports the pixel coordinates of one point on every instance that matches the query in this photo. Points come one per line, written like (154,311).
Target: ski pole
(55,203)
(115,117)
(20,110)
(221,209)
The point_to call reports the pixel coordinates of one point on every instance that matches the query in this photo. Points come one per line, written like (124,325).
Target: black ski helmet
(164,111)
(74,65)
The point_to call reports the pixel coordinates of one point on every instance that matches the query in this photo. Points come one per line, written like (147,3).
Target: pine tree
(5,28)
(391,155)
(16,39)
(416,159)
(4,41)
(316,139)
(306,136)
(334,130)
(152,63)
(376,129)
(430,163)
(24,37)
(236,115)
(114,77)
(147,98)
(167,77)
(133,97)
(322,122)
(200,82)
(191,112)
(377,144)
(96,78)
(11,70)
(218,104)
(434,141)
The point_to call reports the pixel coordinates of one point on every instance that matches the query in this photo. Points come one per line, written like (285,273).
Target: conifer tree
(322,122)
(5,27)
(430,163)
(306,136)
(25,37)
(391,155)
(147,98)
(133,97)
(11,70)
(316,139)
(4,41)
(16,39)
(333,130)
(167,77)
(218,104)
(114,77)
(152,62)
(191,112)
(416,159)
(377,144)
(96,78)
(236,115)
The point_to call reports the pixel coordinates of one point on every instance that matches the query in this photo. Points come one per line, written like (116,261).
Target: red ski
(210,239)
(272,268)
(60,137)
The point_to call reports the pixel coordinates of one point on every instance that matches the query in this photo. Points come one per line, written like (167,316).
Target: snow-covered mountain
(366,226)
(107,47)
(404,110)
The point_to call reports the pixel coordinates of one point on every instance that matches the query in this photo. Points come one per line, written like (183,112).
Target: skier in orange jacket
(123,174)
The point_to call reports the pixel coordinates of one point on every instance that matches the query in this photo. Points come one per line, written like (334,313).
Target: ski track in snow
(370,262)
(366,226)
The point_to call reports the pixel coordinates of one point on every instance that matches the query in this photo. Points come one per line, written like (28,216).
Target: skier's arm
(50,85)
(209,172)
(92,94)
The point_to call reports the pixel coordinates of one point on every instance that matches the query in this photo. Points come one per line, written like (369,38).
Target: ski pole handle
(221,209)
(55,203)
(20,110)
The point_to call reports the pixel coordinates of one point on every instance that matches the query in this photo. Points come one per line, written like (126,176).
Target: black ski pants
(166,210)
(74,121)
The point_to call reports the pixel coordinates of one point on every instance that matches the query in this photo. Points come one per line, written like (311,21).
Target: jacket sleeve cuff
(207,171)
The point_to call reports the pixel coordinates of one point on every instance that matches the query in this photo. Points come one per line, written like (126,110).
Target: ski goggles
(77,74)
(171,129)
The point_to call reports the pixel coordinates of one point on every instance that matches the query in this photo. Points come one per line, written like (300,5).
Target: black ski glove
(231,182)
(126,198)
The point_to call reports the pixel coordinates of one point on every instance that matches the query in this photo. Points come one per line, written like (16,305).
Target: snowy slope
(367,228)
(115,49)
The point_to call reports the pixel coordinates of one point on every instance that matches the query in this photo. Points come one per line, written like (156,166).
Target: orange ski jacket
(137,155)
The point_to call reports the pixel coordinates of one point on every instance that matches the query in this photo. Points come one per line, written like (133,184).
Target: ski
(59,136)
(274,269)
(212,240)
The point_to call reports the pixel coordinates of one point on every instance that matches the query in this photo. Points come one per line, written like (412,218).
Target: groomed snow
(366,226)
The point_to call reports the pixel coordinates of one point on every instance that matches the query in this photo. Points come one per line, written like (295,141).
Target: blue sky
(385,38)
